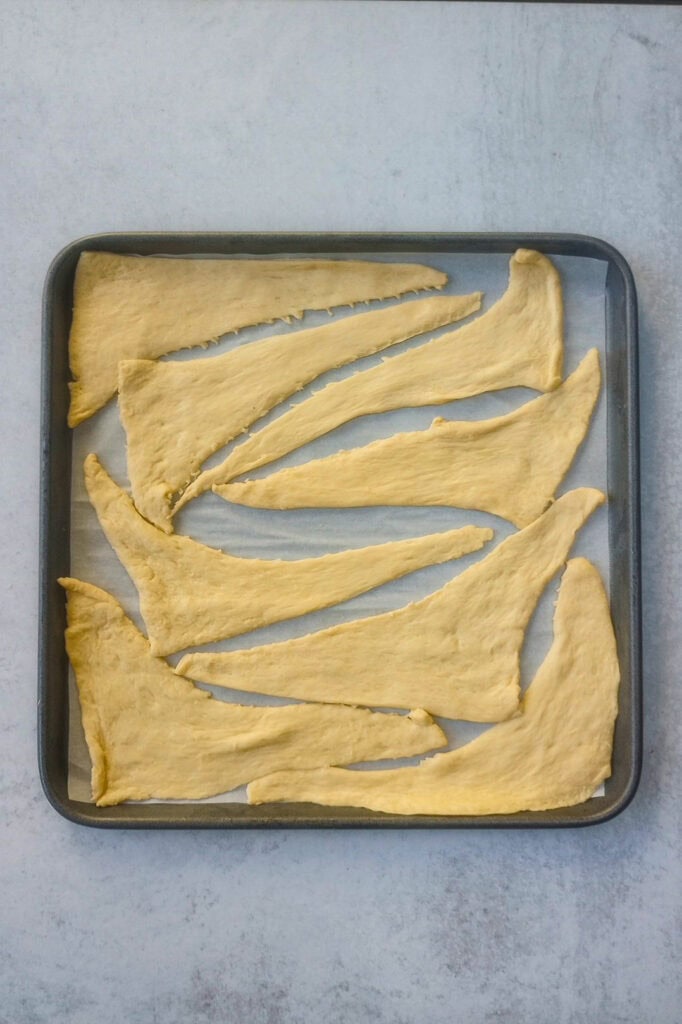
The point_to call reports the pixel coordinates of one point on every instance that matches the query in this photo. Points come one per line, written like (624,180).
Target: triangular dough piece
(510,465)
(141,307)
(517,343)
(455,653)
(191,594)
(177,414)
(554,754)
(152,734)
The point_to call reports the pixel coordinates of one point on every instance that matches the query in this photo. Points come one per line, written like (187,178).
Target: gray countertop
(341,116)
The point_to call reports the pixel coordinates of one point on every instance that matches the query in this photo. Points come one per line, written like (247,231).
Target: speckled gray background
(306,115)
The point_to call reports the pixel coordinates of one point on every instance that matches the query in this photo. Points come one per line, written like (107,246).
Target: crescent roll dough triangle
(517,343)
(152,734)
(177,414)
(554,754)
(141,307)
(455,653)
(510,465)
(192,594)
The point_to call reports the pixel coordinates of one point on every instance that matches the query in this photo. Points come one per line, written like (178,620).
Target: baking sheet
(305,533)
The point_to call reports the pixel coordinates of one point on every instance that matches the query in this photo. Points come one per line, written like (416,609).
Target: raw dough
(152,734)
(132,307)
(554,754)
(455,653)
(517,343)
(510,465)
(177,414)
(192,594)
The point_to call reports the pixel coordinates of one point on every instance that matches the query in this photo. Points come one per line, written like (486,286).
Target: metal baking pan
(621,388)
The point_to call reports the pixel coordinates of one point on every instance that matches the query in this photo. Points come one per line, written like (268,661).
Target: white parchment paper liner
(306,533)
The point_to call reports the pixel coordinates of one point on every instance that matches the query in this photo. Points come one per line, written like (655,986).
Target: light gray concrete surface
(307,115)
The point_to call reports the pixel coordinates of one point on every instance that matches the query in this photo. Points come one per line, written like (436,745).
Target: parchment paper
(304,533)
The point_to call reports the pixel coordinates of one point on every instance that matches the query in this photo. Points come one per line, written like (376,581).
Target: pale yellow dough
(192,594)
(455,653)
(141,307)
(555,754)
(511,465)
(152,734)
(176,414)
(517,343)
